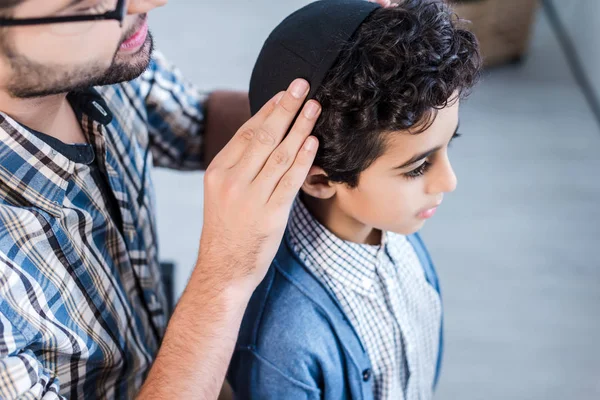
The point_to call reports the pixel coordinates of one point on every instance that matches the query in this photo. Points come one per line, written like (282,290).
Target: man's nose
(143,6)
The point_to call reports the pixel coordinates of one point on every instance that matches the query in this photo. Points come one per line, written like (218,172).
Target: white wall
(581,18)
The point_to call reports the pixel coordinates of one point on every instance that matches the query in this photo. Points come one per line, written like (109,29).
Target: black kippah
(305,45)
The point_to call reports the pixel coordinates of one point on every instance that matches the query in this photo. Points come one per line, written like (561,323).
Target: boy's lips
(429,212)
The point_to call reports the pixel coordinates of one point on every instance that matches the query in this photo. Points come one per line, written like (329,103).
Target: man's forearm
(226,112)
(193,359)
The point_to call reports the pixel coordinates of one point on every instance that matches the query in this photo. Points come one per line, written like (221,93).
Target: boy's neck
(327,212)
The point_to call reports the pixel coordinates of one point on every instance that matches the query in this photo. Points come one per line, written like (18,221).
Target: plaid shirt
(82,309)
(384,293)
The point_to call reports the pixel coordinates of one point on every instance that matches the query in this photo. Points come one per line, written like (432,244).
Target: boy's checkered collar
(352,264)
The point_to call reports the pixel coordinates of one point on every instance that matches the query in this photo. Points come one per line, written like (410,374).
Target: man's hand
(383,3)
(250,187)
(249,190)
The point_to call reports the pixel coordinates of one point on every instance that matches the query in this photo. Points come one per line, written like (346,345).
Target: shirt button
(366,375)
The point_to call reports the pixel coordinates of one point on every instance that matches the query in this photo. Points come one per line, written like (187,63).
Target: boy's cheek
(395,205)
(388,211)
(386,202)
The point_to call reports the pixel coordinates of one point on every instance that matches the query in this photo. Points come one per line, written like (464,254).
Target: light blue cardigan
(296,343)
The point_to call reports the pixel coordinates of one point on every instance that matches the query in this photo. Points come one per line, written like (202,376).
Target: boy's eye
(419,171)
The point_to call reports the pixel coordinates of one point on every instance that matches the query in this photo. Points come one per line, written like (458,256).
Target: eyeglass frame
(117,14)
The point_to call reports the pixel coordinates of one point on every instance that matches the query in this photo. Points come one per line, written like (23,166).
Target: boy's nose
(443,180)
(144,6)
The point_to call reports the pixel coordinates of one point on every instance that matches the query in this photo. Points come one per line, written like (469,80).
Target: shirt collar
(351,264)
(32,170)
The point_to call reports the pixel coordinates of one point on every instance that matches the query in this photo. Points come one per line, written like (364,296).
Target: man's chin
(34,80)
(127,67)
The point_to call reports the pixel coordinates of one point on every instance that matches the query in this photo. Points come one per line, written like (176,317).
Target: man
(82,312)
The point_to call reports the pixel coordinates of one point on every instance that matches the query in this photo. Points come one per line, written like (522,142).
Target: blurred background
(518,245)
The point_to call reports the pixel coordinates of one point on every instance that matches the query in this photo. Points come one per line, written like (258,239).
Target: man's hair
(401,66)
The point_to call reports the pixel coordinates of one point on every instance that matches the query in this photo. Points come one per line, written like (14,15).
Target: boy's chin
(407,230)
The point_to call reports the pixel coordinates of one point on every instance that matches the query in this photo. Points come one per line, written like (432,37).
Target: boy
(350,308)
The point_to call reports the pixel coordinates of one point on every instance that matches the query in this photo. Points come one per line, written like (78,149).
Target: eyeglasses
(77,23)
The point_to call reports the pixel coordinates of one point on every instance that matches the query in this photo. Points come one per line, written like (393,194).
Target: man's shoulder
(22,224)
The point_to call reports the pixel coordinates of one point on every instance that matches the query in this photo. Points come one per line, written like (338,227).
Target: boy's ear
(317,184)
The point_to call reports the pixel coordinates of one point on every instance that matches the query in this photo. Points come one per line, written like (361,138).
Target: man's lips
(138,38)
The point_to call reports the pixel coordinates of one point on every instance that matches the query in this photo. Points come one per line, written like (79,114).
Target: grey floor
(517,246)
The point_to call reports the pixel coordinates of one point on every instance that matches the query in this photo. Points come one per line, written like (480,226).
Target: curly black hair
(401,66)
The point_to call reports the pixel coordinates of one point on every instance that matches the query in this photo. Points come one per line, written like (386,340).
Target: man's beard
(31,79)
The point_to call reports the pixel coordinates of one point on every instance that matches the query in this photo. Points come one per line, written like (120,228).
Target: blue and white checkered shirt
(384,293)
(82,309)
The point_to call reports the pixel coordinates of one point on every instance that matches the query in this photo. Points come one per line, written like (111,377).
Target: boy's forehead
(441,130)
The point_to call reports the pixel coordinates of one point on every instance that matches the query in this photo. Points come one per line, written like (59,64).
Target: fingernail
(311,110)
(299,88)
(310,144)
(279,97)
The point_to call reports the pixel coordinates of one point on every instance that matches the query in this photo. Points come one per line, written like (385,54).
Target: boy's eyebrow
(419,157)
(426,154)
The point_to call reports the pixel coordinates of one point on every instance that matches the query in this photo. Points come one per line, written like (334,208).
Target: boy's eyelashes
(423,168)
(419,171)
(455,136)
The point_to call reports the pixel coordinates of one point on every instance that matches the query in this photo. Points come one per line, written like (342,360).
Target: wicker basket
(503,27)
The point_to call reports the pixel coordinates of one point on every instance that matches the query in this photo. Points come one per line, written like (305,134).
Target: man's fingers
(233,151)
(282,158)
(292,181)
(383,3)
(266,137)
